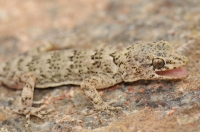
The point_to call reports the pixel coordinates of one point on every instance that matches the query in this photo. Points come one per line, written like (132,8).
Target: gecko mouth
(175,73)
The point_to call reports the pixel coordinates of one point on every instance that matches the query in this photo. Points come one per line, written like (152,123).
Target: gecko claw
(107,109)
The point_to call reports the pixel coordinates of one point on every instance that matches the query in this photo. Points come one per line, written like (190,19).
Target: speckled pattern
(139,61)
(91,69)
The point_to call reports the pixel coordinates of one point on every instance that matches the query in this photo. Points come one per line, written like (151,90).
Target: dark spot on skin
(120,64)
(152,75)
(159,54)
(137,70)
(168,61)
(48,60)
(68,70)
(71,66)
(44,76)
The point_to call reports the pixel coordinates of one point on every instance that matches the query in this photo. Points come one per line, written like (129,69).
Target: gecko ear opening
(177,73)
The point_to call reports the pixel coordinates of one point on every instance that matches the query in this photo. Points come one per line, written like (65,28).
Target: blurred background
(31,22)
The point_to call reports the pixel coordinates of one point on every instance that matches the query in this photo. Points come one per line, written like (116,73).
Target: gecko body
(91,69)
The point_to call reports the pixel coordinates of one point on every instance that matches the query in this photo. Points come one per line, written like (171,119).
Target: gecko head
(152,61)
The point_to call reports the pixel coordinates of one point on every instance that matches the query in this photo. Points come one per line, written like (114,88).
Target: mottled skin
(91,69)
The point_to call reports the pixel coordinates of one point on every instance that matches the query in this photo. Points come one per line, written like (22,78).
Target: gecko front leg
(90,85)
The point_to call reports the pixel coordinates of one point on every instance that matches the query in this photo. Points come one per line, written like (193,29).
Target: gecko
(91,70)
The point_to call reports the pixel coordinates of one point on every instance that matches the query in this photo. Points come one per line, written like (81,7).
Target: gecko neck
(124,59)
(120,57)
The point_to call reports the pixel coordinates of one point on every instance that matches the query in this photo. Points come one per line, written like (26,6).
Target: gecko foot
(106,111)
(107,108)
(28,111)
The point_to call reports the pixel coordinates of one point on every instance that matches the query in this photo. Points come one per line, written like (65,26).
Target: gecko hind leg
(26,82)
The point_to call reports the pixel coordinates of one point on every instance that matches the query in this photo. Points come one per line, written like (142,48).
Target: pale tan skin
(91,69)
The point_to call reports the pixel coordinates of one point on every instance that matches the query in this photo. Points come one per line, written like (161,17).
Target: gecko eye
(158,63)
